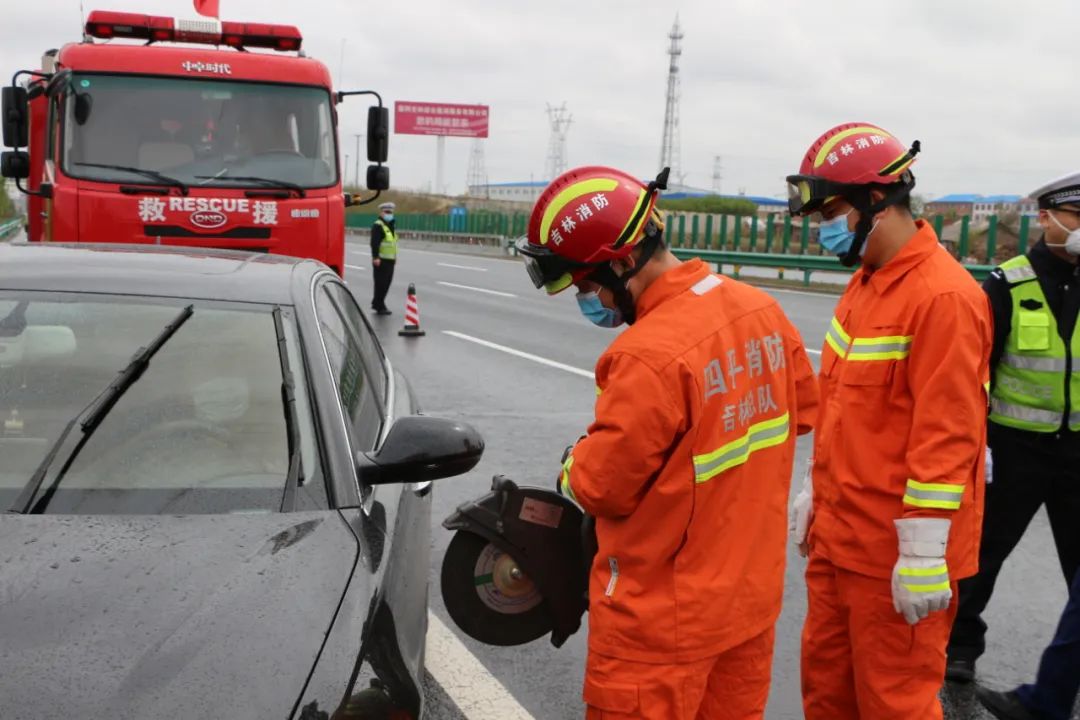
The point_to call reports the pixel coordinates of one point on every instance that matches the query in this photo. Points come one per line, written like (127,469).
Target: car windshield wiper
(269,182)
(295,476)
(152,174)
(90,419)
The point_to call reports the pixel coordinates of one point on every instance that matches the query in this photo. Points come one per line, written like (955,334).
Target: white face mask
(1072,243)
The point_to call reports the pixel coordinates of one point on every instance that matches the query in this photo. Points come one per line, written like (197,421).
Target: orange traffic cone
(412,315)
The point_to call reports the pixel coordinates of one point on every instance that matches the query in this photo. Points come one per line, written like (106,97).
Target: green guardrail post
(991,240)
(787,235)
(737,237)
(964,243)
(723,233)
(804,239)
(753,233)
(694,232)
(708,232)
(682,231)
(1025,222)
(939,224)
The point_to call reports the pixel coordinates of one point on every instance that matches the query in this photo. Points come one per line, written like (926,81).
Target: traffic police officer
(383,256)
(1034,429)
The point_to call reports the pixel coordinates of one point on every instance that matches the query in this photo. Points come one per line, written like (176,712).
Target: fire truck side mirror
(378,134)
(378,177)
(15,165)
(16,110)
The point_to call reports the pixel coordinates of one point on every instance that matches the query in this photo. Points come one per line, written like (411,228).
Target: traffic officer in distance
(687,466)
(384,245)
(894,503)
(1034,430)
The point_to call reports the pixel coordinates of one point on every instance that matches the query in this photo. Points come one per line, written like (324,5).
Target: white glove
(920,581)
(802,512)
(989,466)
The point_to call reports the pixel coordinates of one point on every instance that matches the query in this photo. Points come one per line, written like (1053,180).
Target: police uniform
(1034,428)
(384,249)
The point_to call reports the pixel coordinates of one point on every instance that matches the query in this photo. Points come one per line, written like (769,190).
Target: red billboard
(424,118)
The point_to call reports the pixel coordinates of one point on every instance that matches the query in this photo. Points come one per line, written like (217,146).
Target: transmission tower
(560,121)
(477,180)
(717,173)
(669,148)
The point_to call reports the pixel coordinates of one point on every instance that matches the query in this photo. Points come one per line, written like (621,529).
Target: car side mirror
(378,177)
(419,449)
(16,110)
(378,134)
(15,164)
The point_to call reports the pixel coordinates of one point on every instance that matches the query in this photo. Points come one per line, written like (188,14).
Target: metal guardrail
(10,228)
(780,262)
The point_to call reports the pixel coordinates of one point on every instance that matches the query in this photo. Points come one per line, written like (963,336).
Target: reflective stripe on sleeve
(935,496)
(837,338)
(564,480)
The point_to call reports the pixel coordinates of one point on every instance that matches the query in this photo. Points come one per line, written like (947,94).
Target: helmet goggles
(549,271)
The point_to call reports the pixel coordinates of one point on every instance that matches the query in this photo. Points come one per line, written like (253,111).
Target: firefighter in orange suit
(687,466)
(894,504)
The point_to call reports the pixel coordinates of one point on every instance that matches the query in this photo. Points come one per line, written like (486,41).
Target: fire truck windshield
(203,133)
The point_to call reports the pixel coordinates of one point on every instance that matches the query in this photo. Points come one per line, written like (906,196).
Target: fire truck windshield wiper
(90,419)
(152,174)
(269,182)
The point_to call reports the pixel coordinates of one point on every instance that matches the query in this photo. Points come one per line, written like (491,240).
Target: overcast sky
(986,85)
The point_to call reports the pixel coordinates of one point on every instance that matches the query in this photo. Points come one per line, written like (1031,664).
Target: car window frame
(381,358)
(320,286)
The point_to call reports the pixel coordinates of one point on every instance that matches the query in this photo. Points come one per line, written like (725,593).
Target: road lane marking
(476,692)
(812,352)
(521,354)
(462,267)
(476,289)
(355,267)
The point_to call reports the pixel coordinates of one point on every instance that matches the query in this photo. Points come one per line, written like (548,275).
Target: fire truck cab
(188,137)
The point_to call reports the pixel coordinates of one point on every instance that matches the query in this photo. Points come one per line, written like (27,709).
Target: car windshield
(201,431)
(199,132)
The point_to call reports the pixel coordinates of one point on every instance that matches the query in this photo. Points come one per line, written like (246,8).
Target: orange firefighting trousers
(860,659)
(731,686)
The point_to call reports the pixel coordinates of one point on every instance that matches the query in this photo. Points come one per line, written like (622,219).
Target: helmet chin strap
(607,278)
(861,201)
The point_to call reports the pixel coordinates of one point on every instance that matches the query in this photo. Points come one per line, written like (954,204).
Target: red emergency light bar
(107,25)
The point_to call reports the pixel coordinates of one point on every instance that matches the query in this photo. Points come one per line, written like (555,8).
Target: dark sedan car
(217,491)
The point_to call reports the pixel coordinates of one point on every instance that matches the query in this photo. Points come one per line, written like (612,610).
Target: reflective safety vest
(388,246)
(1037,381)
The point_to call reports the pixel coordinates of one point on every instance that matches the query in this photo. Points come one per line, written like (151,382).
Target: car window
(362,409)
(357,324)
(201,431)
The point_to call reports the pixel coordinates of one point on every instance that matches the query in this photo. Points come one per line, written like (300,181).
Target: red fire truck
(203,133)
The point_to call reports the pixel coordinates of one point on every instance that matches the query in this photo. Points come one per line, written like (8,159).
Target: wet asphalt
(529,412)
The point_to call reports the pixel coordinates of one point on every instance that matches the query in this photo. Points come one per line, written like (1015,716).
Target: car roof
(153,270)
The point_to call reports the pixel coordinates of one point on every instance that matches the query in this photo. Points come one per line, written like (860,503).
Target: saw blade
(488,596)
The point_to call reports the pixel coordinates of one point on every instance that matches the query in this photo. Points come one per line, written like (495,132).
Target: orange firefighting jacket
(903,417)
(687,469)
